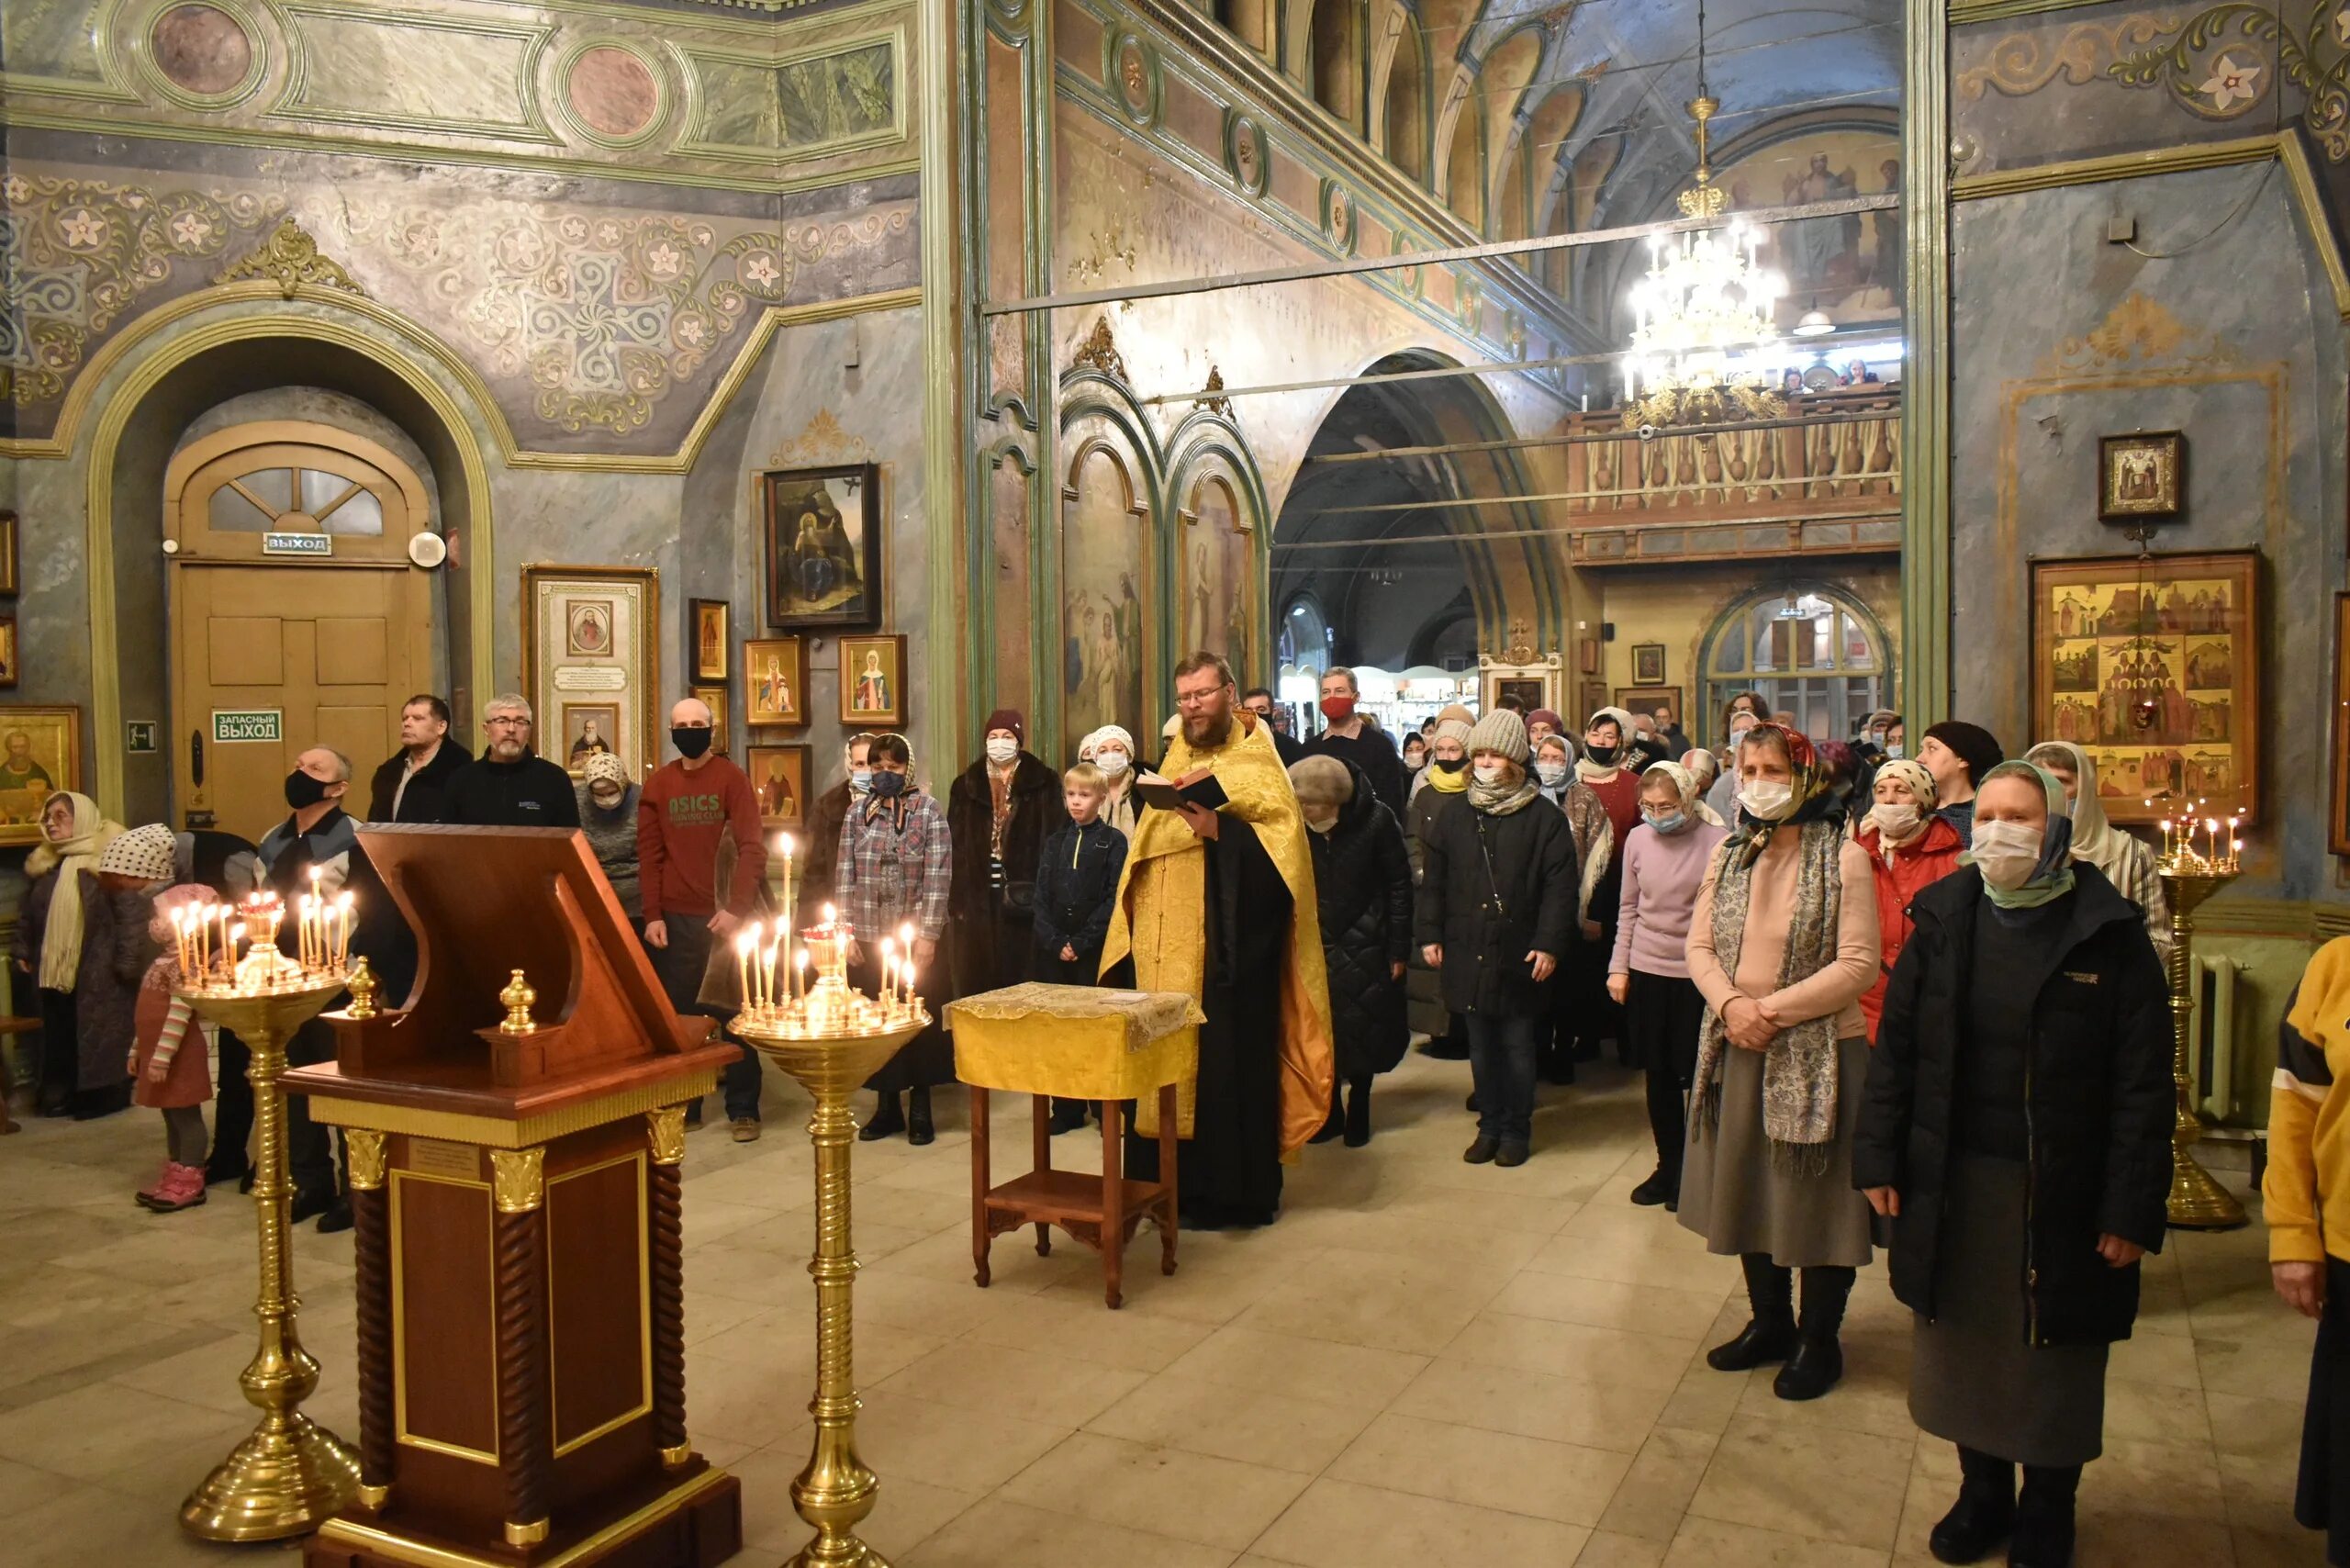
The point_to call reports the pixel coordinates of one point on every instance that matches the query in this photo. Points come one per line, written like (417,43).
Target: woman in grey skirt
(1782,943)
(2017,1133)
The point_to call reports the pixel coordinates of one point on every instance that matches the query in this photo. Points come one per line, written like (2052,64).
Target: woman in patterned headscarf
(1782,943)
(1910,849)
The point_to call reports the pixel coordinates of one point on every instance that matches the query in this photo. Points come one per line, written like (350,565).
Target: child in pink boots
(168,1069)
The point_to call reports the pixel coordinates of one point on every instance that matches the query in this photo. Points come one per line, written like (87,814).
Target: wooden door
(269,657)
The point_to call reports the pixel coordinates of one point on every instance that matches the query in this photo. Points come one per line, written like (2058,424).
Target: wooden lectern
(514,1192)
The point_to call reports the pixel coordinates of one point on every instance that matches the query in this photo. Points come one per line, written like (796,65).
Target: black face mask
(691,741)
(302,790)
(1450,764)
(888,785)
(1602,755)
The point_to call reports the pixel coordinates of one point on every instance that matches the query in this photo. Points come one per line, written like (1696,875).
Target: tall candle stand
(831,1038)
(2190,876)
(290,1475)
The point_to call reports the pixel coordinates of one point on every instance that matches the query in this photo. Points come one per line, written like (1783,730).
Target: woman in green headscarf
(2016,1131)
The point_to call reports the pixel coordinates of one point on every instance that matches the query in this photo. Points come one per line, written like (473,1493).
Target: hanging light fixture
(1813,323)
(1706,313)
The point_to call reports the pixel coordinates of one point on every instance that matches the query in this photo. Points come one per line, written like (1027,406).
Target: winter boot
(154,1190)
(1770,1332)
(888,1120)
(918,1128)
(1358,1112)
(182,1188)
(2043,1537)
(1984,1514)
(1818,1359)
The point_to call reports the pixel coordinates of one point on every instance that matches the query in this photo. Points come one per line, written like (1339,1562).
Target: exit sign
(247,724)
(139,735)
(297,543)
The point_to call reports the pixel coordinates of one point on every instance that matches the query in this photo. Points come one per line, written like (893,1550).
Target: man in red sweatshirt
(684,817)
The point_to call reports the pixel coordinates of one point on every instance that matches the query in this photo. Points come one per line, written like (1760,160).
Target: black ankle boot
(1819,1360)
(1984,1514)
(1770,1333)
(1358,1113)
(2043,1537)
(918,1128)
(1336,1122)
(888,1120)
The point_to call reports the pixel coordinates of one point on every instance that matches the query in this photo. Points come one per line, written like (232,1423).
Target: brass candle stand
(831,1038)
(291,1474)
(2197,1202)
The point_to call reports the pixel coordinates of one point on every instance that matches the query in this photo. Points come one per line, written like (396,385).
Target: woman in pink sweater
(1664,864)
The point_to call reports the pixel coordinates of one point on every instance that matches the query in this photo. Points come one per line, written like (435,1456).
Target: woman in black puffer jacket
(1496,915)
(2017,1130)
(1363,881)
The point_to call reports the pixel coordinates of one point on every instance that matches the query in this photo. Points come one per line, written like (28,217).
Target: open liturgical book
(1197,788)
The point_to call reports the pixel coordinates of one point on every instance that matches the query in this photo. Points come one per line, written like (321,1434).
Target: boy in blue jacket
(1077,885)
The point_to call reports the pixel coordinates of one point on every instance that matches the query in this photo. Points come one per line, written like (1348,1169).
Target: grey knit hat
(1321,780)
(143,852)
(1500,731)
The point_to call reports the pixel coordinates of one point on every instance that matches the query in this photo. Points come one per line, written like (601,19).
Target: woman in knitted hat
(1782,943)
(1444,782)
(1648,971)
(1909,848)
(168,1072)
(1497,899)
(608,816)
(1960,755)
(117,901)
(49,931)
(1363,883)
(2016,1134)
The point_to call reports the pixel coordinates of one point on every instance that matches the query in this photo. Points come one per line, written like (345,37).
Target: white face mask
(2005,853)
(1893,749)
(1001,751)
(1322,824)
(1112,762)
(1551,773)
(1487,772)
(1896,820)
(1766,799)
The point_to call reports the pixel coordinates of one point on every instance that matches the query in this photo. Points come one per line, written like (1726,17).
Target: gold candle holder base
(291,1474)
(836,1490)
(2197,1202)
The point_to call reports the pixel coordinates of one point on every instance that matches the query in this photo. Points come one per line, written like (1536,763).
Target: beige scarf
(60,942)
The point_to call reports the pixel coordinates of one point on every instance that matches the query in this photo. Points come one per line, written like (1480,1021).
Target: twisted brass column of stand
(665,1247)
(525,1444)
(836,1490)
(371,1234)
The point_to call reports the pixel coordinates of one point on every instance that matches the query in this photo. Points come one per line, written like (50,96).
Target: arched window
(1811,651)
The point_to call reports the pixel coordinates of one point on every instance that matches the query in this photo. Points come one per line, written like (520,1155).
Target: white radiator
(2215,1034)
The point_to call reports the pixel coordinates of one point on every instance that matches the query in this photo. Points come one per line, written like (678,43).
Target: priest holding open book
(1217,900)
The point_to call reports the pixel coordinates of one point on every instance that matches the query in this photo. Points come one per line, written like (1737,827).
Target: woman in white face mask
(1111,750)
(1782,943)
(2126,861)
(2017,1133)
(1909,848)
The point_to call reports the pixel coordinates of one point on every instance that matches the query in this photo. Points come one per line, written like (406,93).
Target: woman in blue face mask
(1664,864)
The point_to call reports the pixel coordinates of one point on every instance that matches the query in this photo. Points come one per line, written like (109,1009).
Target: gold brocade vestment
(1160,918)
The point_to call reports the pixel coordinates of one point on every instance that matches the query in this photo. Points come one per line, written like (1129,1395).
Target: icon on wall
(2141,477)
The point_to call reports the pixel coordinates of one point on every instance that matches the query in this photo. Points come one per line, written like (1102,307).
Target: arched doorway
(1810,649)
(297,619)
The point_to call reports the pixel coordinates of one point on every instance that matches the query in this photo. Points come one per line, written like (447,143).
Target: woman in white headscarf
(49,931)
(1111,750)
(2124,858)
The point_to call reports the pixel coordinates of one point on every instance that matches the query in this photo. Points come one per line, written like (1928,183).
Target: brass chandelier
(1706,313)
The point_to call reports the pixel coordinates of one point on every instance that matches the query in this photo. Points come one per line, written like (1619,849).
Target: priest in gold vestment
(1217,900)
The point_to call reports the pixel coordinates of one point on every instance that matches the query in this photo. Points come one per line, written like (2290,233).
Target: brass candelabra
(2197,1202)
(831,1039)
(290,1475)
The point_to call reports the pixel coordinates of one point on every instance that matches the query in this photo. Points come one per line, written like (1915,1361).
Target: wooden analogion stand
(1079,1043)
(515,1193)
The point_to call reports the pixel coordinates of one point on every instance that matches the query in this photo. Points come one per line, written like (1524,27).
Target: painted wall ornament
(2225,60)
(1137,79)
(1211,395)
(1244,151)
(1099,352)
(290,259)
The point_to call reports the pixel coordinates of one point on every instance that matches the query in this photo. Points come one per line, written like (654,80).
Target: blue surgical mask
(888,785)
(1894,748)
(860,782)
(1670,822)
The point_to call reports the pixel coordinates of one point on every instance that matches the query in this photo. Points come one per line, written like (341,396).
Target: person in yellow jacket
(2306,1197)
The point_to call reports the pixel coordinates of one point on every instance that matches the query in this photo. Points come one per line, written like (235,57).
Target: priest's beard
(1205,731)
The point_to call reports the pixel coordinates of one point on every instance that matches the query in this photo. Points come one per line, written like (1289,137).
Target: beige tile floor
(1423,1363)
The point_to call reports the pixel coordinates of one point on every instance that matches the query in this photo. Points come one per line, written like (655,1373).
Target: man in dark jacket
(1353,737)
(1260,701)
(508,785)
(319,834)
(1362,885)
(1077,885)
(1000,811)
(412,785)
(819,872)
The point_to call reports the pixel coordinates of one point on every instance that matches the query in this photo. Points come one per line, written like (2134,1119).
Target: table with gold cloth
(1079,1043)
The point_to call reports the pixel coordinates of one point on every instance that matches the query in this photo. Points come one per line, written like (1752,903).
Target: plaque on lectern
(516,1125)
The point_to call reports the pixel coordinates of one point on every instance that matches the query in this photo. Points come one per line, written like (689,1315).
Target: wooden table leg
(980,1183)
(1114,1200)
(1167,1175)
(1040,1107)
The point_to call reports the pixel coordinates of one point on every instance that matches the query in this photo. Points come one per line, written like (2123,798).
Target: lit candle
(802,968)
(832,918)
(342,931)
(788,905)
(744,943)
(888,963)
(767,973)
